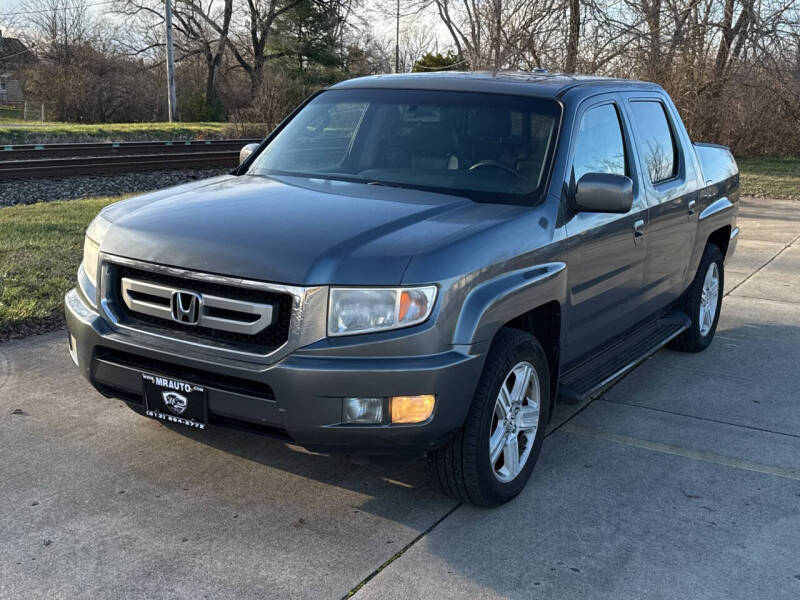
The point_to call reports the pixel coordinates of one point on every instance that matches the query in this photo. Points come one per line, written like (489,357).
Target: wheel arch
(530,300)
(721,238)
(716,230)
(497,301)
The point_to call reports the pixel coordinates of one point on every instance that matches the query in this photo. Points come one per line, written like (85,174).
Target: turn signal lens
(415,304)
(412,409)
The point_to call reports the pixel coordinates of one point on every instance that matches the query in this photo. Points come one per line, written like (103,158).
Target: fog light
(362,410)
(412,409)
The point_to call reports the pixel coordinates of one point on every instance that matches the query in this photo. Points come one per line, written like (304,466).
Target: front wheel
(491,458)
(703,302)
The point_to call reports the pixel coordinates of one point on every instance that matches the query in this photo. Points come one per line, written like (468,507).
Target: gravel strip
(72,188)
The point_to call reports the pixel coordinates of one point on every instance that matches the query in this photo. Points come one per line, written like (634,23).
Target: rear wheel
(491,459)
(702,302)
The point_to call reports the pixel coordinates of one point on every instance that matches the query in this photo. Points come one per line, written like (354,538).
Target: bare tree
(207,24)
(58,27)
(503,34)
(202,29)
(251,45)
(81,72)
(571,63)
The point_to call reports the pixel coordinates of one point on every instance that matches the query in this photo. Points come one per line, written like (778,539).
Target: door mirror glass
(604,193)
(245,152)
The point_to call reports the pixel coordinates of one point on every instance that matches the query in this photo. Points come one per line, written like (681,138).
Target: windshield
(487,147)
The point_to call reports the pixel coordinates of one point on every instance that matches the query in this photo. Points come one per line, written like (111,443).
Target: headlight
(91,246)
(378,309)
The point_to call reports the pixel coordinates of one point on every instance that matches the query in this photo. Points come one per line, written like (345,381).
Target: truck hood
(291,230)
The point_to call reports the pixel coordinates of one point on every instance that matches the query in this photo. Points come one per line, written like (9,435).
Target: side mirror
(604,193)
(245,152)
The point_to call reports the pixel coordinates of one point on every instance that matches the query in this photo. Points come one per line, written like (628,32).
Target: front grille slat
(264,342)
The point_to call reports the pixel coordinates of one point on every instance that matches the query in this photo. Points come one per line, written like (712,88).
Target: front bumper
(298,397)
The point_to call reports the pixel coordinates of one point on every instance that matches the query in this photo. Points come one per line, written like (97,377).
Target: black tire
(461,468)
(693,340)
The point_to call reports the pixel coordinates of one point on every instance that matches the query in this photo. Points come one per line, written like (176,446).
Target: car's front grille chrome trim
(163,302)
(308,308)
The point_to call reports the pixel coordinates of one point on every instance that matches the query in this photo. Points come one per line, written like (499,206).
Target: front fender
(496,301)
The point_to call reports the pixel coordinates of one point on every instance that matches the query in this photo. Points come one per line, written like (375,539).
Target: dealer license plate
(175,401)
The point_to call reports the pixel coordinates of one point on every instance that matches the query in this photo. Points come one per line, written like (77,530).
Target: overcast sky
(7,6)
(379,14)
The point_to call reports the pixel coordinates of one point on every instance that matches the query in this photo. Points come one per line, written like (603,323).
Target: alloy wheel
(515,421)
(709,299)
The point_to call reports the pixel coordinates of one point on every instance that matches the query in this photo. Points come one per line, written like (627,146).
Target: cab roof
(528,83)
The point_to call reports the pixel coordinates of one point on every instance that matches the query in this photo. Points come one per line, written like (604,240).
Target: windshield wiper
(384,184)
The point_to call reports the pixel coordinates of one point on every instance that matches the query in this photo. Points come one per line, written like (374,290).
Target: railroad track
(65,160)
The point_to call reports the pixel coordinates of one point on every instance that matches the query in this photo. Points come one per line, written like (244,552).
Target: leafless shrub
(276,96)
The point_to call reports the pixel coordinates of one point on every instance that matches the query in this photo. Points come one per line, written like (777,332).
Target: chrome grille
(206,310)
(230,317)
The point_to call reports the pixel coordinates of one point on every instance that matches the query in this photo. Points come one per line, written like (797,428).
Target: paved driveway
(681,481)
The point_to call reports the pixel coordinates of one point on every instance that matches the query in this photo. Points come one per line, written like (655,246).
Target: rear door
(670,185)
(606,251)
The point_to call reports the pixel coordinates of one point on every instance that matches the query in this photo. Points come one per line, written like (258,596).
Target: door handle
(638,228)
(692,204)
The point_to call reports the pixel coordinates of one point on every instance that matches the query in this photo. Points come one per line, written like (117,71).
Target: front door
(606,251)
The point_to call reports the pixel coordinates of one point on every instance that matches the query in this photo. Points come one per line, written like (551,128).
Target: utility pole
(397,42)
(172,104)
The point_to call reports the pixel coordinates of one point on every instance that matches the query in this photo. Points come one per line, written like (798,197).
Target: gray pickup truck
(416,264)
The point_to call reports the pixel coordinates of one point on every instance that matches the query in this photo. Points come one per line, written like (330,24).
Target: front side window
(599,147)
(487,147)
(658,147)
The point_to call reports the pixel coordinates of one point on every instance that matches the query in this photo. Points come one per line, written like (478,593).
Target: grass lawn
(770,177)
(41,246)
(49,133)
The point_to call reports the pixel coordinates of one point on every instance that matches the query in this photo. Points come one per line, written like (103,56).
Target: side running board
(591,376)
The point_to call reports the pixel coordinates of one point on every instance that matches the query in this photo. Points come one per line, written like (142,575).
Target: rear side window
(599,147)
(658,147)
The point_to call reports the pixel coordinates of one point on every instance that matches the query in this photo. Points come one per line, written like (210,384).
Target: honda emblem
(186,307)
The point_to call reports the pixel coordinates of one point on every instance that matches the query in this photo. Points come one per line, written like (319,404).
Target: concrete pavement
(681,481)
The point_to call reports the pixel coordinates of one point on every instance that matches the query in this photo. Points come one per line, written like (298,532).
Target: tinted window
(491,148)
(656,140)
(599,147)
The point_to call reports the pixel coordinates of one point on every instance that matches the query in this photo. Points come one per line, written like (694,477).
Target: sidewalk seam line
(708,457)
(767,299)
(398,554)
(699,418)
(757,271)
